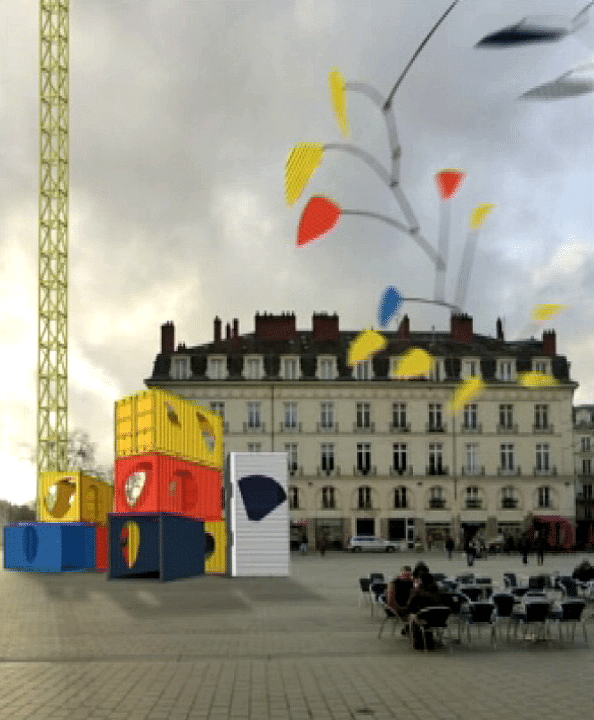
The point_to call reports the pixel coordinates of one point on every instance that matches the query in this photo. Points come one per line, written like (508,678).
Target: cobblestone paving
(76,646)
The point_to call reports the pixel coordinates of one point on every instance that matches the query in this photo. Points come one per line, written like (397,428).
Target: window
(290,369)
(587,491)
(291,414)
(509,498)
(218,408)
(216,368)
(471,467)
(540,366)
(363,370)
(541,416)
(327,457)
(436,498)
(252,366)
(291,450)
(544,497)
(180,368)
(400,457)
(434,417)
(294,497)
(585,444)
(254,447)
(328,500)
(435,459)
(542,458)
(507,457)
(326,369)
(363,417)
(254,418)
(470,417)
(327,418)
(473,500)
(506,416)
(363,457)
(400,497)
(364,498)
(471,368)
(506,370)
(587,467)
(399,415)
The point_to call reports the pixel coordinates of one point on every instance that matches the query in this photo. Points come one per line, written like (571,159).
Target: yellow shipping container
(155,421)
(74,497)
(216,562)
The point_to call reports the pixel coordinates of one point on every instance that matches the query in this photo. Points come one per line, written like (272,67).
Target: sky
(182,117)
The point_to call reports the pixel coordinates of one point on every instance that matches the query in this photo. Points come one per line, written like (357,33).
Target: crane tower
(52,369)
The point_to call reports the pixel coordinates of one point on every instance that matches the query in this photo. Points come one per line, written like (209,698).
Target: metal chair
(504,606)
(376,577)
(480,614)
(432,620)
(534,613)
(569,586)
(570,613)
(472,592)
(391,615)
(377,590)
(364,595)
(465,579)
(512,585)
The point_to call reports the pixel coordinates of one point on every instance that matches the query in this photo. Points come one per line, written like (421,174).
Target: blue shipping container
(50,547)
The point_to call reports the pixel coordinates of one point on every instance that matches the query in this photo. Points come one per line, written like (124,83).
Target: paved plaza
(76,646)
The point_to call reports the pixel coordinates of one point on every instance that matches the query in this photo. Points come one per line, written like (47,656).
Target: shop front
(436,533)
(332,530)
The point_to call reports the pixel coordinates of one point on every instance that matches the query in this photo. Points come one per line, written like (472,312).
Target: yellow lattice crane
(52,370)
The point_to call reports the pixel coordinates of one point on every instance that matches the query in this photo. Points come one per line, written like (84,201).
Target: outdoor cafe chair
(376,577)
(511,583)
(570,587)
(472,592)
(504,606)
(378,594)
(364,595)
(480,614)
(432,620)
(390,616)
(533,614)
(570,612)
(465,579)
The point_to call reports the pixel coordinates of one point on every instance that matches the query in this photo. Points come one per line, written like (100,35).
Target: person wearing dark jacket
(424,596)
(449,546)
(583,572)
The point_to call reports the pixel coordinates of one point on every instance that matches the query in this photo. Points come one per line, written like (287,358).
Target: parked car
(377,544)
(495,544)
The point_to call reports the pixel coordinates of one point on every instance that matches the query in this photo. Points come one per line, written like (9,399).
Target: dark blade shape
(523,33)
(261,495)
(574,83)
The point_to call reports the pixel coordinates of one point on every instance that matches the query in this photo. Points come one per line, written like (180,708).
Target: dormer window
(326,368)
(471,368)
(363,370)
(506,370)
(290,369)
(216,368)
(253,369)
(180,368)
(541,366)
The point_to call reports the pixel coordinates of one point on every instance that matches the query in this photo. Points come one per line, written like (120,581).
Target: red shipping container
(101,548)
(164,483)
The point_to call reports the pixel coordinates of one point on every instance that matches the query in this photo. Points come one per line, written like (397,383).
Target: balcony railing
(369,470)
(291,427)
(328,470)
(507,429)
(369,428)
(435,427)
(476,428)
(473,471)
(364,506)
(254,428)
(509,471)
(396,428)
(394,471)
(327,427)
(437,503)
(295,469)
(328,505)
(509,503)
(474,504)
(436,470)
(543,429)
(549,471)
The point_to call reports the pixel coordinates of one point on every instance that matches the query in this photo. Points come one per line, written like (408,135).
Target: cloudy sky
(182,116)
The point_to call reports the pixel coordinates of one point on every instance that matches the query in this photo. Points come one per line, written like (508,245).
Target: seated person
(583,572)
(424,596)
(420,568)
(399,591)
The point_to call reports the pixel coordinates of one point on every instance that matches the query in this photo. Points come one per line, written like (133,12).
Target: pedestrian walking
(449,546)
(524,548)
(303,546)
(470,553)
(541,546)
(322,546)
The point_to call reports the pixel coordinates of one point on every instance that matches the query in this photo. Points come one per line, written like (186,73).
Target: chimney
(275,327)
(325,327)
(235,327)
(217,329)
(227,332)
(461,327)
(499,327)
(549,342)
(404,328)
(167,337)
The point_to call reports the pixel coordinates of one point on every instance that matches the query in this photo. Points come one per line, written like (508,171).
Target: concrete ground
(76,646)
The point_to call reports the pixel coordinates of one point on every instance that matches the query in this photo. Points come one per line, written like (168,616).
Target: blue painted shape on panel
(30,543)
(261,495)
(147,559)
